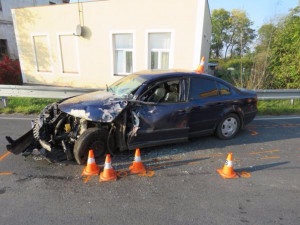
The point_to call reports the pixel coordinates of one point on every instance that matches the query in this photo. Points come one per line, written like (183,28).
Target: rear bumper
(248,117)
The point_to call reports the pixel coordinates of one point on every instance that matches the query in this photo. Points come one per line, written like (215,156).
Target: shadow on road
(261,167)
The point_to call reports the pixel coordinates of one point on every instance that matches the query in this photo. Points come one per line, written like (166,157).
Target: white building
(7,36)
(92,44)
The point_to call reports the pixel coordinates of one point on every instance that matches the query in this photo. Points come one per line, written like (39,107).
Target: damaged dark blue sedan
(140,110)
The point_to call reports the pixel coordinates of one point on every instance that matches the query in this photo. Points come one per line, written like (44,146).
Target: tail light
(255,101)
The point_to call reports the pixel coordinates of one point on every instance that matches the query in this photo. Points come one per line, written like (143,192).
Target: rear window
(224,90)
(202,88)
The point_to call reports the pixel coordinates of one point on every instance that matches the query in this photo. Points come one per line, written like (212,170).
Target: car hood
(98,106)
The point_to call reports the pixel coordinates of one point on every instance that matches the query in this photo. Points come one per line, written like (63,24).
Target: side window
(223,89)
(202,88)
(165,92)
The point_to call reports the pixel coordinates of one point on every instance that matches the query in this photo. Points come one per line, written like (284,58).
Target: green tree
(265,37)
(220,26)
(240,34)
(285,52)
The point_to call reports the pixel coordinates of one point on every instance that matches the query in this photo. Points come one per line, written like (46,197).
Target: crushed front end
(52,137)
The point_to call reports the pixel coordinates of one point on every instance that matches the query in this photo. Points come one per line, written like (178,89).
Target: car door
(164,121)
(206,105)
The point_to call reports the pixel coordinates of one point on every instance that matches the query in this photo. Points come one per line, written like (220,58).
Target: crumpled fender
(97,106)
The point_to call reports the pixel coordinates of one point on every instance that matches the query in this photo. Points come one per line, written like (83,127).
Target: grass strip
(26,105)
(278,107)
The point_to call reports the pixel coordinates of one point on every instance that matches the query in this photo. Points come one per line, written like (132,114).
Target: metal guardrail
(277,94)
(39,91)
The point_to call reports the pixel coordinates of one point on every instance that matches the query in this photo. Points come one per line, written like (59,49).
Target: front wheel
(92,138)
(228,127)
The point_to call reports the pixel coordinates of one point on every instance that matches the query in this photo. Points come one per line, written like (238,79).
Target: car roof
(159,75)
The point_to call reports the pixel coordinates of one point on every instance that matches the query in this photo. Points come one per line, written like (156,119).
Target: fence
(37,91)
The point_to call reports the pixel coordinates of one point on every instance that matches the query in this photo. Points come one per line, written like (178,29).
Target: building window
(3,47)
(42,53)
(123,51)
(159,51)
(69,54)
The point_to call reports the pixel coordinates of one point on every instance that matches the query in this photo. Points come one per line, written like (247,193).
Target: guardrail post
(292,101)
(5,101)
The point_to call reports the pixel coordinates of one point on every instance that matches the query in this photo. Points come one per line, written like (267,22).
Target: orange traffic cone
(200,68)
(91,167)
(108,173)
(227,170)
(137,165)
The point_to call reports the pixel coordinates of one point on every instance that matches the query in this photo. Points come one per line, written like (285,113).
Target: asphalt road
(181,187)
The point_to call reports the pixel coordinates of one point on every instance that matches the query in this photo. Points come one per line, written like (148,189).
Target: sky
(259,11)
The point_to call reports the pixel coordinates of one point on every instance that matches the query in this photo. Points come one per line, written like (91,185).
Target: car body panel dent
(161,121)
(97,106)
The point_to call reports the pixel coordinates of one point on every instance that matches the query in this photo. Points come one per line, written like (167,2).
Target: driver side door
(164,121)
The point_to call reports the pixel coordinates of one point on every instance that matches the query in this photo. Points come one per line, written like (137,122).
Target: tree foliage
(232,32)
(10,71)
(221,24)
(285,52)
(274,61)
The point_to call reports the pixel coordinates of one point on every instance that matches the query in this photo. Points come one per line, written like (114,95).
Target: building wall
(6,21)
(206,41)
(93,50)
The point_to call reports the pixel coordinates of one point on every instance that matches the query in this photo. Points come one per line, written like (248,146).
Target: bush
(10,71)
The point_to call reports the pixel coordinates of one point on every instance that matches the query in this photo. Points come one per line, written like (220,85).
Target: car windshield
(127,85)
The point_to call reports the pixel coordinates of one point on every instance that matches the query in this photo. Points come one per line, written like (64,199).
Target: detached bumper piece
(21,144)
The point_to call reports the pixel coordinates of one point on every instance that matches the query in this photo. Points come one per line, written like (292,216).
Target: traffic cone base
(227,170)
(108,173)
(91,168)
(137,168)
(137,165)
(231,176)
(87,172)
(111,176)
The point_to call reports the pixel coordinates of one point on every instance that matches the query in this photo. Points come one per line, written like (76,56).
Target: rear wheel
(228,127)
(93,138)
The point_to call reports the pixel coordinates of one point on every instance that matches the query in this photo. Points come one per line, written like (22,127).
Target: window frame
(219,89)
(35,55)
(203,78)
(113,52)
(152,85)
(160,51)
(61,58)
(5,46)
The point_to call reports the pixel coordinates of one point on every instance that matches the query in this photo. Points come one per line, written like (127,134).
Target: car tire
(228,127)
(92,138)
